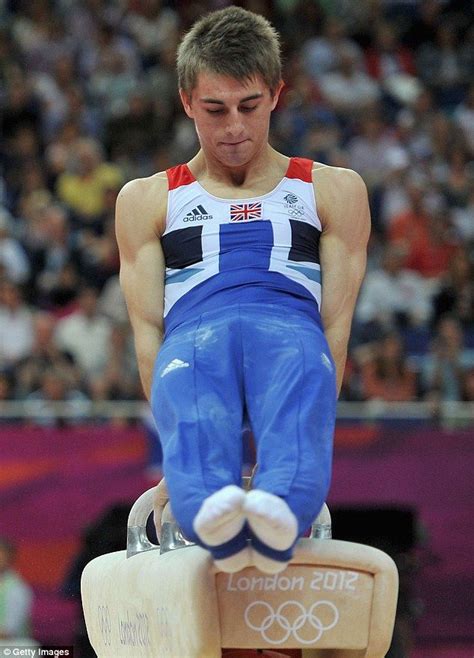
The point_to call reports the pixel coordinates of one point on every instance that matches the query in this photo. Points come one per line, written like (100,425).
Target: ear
(186,101)
(276,94)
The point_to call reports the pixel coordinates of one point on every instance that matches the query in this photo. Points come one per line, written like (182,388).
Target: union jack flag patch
(245,212)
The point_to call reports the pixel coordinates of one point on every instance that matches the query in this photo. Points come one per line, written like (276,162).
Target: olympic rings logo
(105,624)
(284,627)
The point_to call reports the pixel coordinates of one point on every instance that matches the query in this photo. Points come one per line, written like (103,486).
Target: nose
(234,126)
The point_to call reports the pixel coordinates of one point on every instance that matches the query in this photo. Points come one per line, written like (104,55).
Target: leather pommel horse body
(334,595)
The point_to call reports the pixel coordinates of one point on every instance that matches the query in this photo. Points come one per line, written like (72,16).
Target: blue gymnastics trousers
(266,362)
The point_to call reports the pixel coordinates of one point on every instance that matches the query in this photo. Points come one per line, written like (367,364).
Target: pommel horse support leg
(335,598)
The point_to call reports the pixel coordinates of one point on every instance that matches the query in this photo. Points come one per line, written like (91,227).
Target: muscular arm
(142,268)
(343,207)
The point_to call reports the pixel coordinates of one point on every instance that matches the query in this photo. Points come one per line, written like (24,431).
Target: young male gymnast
(241,270)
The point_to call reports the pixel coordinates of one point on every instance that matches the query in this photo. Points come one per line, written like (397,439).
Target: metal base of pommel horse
(335,598)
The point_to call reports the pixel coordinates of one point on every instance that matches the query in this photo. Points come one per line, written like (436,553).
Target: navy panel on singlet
(304,242)
(183,247)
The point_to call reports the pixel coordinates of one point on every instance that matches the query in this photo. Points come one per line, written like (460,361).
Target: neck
(250,173)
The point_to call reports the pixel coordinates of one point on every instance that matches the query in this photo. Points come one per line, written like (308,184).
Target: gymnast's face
(231,116)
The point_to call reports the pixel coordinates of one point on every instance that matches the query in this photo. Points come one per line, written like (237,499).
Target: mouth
(234,143)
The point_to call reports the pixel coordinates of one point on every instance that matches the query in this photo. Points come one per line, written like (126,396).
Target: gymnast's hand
(160,499)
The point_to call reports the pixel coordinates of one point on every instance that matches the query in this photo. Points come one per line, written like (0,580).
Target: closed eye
(243,108)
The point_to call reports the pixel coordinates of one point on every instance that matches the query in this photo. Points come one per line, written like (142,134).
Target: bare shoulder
(337,181)
(141,205)
(341,196)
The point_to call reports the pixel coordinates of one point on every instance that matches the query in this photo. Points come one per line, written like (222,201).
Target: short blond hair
(232,42)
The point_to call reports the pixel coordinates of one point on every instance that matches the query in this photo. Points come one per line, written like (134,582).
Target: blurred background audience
(89,100)
(16,599)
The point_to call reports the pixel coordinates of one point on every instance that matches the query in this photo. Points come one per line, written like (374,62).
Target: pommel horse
(336,599)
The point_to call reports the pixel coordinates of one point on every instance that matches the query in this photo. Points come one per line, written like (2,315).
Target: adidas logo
(173,365)
(198,214)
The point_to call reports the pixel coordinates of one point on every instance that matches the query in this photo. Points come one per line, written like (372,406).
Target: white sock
(235,562)
(267,564)
(271,519)
(221,516)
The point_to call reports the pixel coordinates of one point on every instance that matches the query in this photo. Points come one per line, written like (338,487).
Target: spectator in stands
(64,101)
(45,354)
(468,386)
(392,296)
(62,295)
(136,132)
(393,196)
(16,598)
(6,386)
(369,151)
(411,225)
(385,374)
(42,37)
(86,334)
(464,117)
(22,152)
(82,187)
(21,108)
(321,53)
(16,326)
(151,25)
(119,381)
(54,388)
(463,220)
(456,293)
(351,389)
(51,88)
(443,135)
(423,28)
(300,111)
(388,57)
(347,90)
(112,302)
(14,262)
(445,367)
(31,208)
(98,254)
(111,83)
(441,66)
(59,148)
(102,46)
(88,119)
(431,251)
(162,85)
(58,250)
(413,125)
(458,180)
(33,178)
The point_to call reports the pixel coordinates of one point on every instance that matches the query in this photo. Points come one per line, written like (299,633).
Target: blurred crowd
(89,100)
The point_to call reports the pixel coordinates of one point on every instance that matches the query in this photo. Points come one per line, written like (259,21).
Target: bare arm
(139,215)
(344,210)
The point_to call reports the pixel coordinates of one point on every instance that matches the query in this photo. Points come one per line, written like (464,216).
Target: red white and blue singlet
(224,251)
